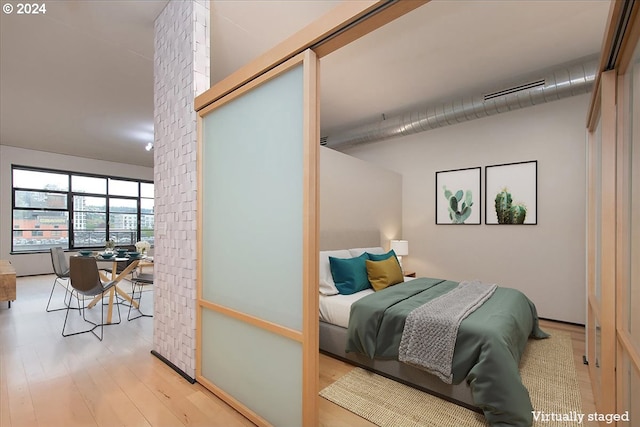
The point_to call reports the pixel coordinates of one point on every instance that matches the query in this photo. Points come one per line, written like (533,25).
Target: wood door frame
(608,242)
(603,310)
(593,307)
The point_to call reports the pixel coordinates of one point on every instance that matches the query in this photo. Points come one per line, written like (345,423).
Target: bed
(484,371)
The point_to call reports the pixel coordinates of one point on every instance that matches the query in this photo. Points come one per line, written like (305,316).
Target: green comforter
(489,344)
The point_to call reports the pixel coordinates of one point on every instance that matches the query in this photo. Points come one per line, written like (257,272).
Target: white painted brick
(181,71)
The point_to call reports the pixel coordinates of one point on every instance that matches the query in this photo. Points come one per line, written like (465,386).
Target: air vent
(514,89)
(323,140)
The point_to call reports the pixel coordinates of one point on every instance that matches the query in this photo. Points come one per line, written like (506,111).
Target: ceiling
(447,49)
(79,80)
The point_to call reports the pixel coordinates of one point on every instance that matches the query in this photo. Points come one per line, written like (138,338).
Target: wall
(360,203)
(181,72)
(30,264)
(546,261)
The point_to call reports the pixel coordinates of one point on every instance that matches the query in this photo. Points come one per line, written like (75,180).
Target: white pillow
(359,251)
(327,285)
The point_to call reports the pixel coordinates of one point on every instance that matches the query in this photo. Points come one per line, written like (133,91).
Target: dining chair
(122,265)
(85,282)
(139,282)
(61,270)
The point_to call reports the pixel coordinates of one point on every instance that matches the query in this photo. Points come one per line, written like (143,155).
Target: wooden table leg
(126,296)
(110,311)
(113,290)
(94,301)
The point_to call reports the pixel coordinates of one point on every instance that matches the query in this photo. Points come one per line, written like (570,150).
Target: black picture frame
(511,193)
(465,209)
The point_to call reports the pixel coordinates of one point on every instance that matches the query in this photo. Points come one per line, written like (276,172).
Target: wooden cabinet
(7,282)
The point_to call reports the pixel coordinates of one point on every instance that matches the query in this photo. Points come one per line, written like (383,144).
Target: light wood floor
(49,381)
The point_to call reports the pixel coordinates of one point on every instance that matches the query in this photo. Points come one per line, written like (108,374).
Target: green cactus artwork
(458,212)
(507,211)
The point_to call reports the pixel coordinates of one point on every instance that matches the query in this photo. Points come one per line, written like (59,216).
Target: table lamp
(401,248)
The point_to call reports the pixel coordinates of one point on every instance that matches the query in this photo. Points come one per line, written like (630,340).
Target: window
(146,212)
(123,220)
(89,220)
(56,208)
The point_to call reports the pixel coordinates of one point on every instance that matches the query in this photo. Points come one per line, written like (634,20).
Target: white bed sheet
(335,309)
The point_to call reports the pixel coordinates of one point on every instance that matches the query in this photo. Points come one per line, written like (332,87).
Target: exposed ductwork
(559,83)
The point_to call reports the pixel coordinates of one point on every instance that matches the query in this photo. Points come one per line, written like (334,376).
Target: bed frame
(332,342)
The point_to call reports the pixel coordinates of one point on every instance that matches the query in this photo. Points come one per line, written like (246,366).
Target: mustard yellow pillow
(384,273)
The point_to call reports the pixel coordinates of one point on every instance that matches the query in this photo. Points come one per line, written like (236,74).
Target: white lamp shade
(400,247)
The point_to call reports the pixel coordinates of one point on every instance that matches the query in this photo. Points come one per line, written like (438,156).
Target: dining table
(117,277)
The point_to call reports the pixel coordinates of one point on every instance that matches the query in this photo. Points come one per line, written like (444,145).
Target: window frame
(70,209)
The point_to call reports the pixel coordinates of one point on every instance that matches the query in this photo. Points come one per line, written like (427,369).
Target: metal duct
(559,83)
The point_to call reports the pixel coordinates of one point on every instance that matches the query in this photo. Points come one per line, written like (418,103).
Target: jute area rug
(547,370)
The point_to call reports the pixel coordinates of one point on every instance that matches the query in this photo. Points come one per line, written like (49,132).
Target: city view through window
(72,210)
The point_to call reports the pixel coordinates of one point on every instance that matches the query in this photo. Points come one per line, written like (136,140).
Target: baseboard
(182,373)
(562,321)
(34,274)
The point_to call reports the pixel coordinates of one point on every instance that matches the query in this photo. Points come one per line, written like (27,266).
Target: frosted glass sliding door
(257,294)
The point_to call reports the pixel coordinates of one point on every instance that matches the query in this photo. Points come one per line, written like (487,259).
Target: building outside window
(58,208)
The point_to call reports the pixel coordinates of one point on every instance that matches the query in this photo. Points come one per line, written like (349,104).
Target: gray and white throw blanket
(430,331)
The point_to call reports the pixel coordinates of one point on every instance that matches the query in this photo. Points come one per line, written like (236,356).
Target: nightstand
(409,274)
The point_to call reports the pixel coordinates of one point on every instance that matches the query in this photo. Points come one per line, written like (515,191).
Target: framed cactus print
(458,196)
(511,193)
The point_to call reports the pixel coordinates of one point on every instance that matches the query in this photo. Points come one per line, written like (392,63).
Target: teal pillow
(382,257)
(350,274)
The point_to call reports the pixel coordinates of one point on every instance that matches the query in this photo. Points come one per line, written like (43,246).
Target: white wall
(547,260)
(360,203)
(29,264)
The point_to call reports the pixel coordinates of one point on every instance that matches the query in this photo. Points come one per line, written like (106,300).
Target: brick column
(181,72)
